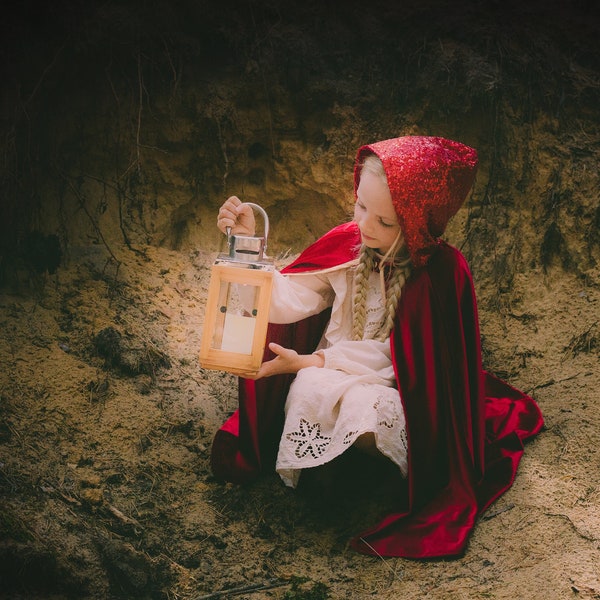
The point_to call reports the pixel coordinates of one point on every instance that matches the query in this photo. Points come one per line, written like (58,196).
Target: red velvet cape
(465,427)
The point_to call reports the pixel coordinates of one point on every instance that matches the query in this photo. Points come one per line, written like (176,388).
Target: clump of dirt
(127,355)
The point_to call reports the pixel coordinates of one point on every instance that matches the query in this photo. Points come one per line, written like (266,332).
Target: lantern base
(229,362)
(239,373)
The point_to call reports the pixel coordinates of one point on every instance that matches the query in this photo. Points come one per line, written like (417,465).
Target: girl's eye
(385,224)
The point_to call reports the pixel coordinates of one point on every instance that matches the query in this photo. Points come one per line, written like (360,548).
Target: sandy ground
(106,421)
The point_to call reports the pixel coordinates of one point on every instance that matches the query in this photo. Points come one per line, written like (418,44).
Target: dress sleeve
(297,296)
(361,357)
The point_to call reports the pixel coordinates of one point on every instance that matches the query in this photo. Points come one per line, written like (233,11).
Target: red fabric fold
(465,427)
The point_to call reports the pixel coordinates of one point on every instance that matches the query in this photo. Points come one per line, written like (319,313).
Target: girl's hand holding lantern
(237,215)
(286,361)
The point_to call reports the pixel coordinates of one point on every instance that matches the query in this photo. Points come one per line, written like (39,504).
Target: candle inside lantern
(238,334)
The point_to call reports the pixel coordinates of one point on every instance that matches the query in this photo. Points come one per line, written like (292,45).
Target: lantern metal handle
(265,217)
(249,241)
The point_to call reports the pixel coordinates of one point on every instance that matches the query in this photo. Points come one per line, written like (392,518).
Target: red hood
(429,179)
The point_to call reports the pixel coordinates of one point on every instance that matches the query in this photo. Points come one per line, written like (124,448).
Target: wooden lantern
(237,307)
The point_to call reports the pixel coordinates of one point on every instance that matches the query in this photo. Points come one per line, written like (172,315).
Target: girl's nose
(366,223)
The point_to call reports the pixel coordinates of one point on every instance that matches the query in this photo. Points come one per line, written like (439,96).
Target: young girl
(375,345)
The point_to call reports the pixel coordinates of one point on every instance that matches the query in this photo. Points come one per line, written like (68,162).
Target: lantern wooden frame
(224,360)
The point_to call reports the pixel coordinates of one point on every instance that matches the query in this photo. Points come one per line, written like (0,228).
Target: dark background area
(156,111)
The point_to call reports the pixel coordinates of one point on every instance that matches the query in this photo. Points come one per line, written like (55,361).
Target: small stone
(93,496)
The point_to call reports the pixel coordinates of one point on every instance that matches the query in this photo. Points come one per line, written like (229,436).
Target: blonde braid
(366,264)
(398,279)
(359,301)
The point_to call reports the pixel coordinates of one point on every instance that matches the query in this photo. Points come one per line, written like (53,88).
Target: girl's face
(374,212)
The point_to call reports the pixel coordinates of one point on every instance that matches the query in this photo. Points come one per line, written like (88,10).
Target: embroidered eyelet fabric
(328,408)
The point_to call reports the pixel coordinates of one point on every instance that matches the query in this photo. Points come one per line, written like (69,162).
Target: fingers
(276,348)
(228,213)
(285,361)
(237,215)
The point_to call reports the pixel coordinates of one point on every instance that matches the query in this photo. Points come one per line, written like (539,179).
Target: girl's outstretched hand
(287,361)
(237,215)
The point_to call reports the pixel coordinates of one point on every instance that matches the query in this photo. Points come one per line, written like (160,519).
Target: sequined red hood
(429,179)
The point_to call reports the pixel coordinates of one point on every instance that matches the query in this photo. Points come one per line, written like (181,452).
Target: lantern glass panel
(236,317)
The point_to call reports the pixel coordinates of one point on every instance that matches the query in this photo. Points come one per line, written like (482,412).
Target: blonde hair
(396,260)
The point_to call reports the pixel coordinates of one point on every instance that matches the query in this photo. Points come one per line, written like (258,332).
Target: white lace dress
(328,408)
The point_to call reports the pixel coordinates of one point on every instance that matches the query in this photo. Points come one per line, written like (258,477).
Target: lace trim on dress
(374,313)
(387,412)
(310,444)
(308,439)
